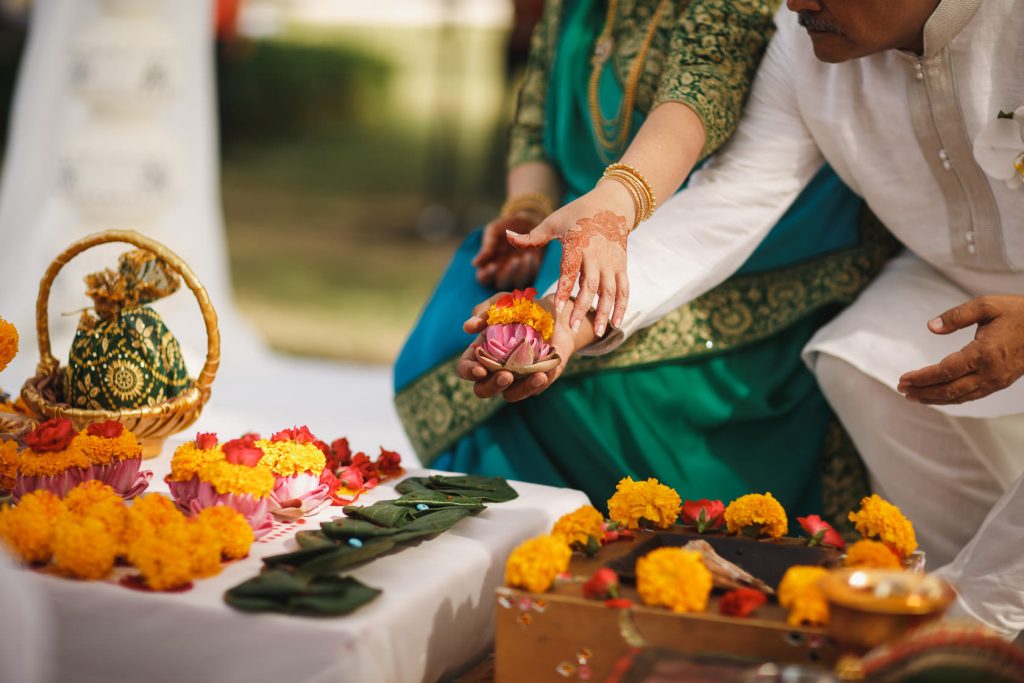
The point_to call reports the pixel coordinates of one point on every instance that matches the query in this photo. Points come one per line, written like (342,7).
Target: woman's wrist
(618,199)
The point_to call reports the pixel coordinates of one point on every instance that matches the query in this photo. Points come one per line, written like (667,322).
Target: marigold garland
(288,458)
(100,450)
(83,548)
(27,530)
(234,532)
(868,554)
(579,526)
(799,592)
(522,309)
(9,458)
(649,500)
(8,343)
(188,459)
(880,520)
(534,564)
(226,477)
(674,578)
(757,514)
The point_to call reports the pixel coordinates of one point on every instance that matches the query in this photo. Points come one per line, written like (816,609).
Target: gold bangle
(638,199)
(629,174)
(528,201)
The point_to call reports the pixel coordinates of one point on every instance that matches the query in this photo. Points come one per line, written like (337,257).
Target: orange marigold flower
(522,310)
(204,549)
(578,527)
(288,458)
(800,593)
(95,500)
(868,554)
(49,463)
(83,548)
(234,531)
(153,513)
(101,450)
(162,560)
(756,515)
(242,480)
(188,459)
(649,500)
(534,564)
(9,458)
(882,521)
(8,343)
(674,578)
(27,529)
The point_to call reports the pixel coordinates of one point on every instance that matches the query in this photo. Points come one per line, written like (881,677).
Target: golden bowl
(868,607)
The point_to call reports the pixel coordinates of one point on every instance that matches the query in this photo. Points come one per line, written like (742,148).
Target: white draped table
(435,615)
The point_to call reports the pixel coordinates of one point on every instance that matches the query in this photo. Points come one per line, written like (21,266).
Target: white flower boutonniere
(999,148)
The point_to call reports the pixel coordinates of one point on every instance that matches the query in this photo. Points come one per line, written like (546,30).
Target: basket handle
(46,359)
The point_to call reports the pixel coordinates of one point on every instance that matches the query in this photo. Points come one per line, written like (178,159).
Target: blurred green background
(354,159)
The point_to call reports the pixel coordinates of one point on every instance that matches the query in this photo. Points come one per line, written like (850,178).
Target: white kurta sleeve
(702,235)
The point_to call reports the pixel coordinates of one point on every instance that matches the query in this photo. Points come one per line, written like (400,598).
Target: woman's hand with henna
(499,264)
(593,231)
(993,361)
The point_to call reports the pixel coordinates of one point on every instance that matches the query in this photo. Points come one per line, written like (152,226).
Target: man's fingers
(973,312)
(621,298)
(605,304)
(488,242)
(504,277)
(589,287)
(493,385)
(948,393)
(468,368)
(526,387)
(953,366)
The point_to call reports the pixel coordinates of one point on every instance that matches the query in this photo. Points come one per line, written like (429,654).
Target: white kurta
(898,129)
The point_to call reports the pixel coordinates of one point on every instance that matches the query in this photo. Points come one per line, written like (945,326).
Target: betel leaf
(325,596)
(343,557)
(313,539)
(487,489)
(271,584)
(434,500)
(297,557)
(382,513)
(346,528)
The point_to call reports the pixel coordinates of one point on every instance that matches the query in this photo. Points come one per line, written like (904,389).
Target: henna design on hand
(606,224)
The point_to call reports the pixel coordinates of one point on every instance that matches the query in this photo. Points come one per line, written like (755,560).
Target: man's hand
(993,361)
(499,264)
(488,384)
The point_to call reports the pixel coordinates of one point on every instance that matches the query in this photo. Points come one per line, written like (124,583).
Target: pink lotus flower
(57,484)
(121,475)
(202,495)
(516,347)
(299,495)
(820,532)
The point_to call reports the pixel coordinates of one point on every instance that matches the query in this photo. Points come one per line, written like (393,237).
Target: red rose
(351,478)
(52,435)
(243,451)
(389,463)
(110,429)
(339,455)
(603,584)
(741,602)
(361,462)
(206,440)
(296,434)
(704,514)
(820,532)
(324,448)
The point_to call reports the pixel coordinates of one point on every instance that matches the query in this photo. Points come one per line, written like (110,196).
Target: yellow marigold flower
(81,498)
(188,460)
(882,521)
(204,549)
(83,548)
(163,560)
(95,500)
(872,555)
(8,343)
(644,500)
(800,593)
(234,531)
(535,563)
(674,578)
(100,450)
(28,528)
(151,514)
(525,311)
(47,464)
(9,458)
(757,515)
(227,477)
(287,458)
(579,526)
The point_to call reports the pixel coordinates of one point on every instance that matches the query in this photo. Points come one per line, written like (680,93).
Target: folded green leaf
(488,489)
(326,596)
(382,513)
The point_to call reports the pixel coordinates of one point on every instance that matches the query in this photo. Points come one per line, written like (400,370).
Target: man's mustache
(813,21)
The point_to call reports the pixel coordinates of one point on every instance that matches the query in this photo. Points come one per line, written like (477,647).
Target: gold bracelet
(627,174)
(638,199)
(528,201)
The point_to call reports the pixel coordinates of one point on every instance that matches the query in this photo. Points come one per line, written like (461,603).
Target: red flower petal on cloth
(820,531)
(296,434)
(389,464)
(50,436)
(243,451)
(206,440)
(341,454)
(619,603)
(111,429)
(741,602)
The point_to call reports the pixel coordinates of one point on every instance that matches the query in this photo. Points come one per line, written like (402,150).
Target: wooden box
(560,635)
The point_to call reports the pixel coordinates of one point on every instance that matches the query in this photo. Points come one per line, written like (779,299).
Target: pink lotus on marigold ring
(518,348)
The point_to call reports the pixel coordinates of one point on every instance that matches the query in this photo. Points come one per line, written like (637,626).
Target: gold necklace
(602,52)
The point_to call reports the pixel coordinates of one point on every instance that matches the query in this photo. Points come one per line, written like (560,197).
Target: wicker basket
(152,424)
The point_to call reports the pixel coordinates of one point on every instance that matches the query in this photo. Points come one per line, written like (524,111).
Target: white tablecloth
(436,612)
